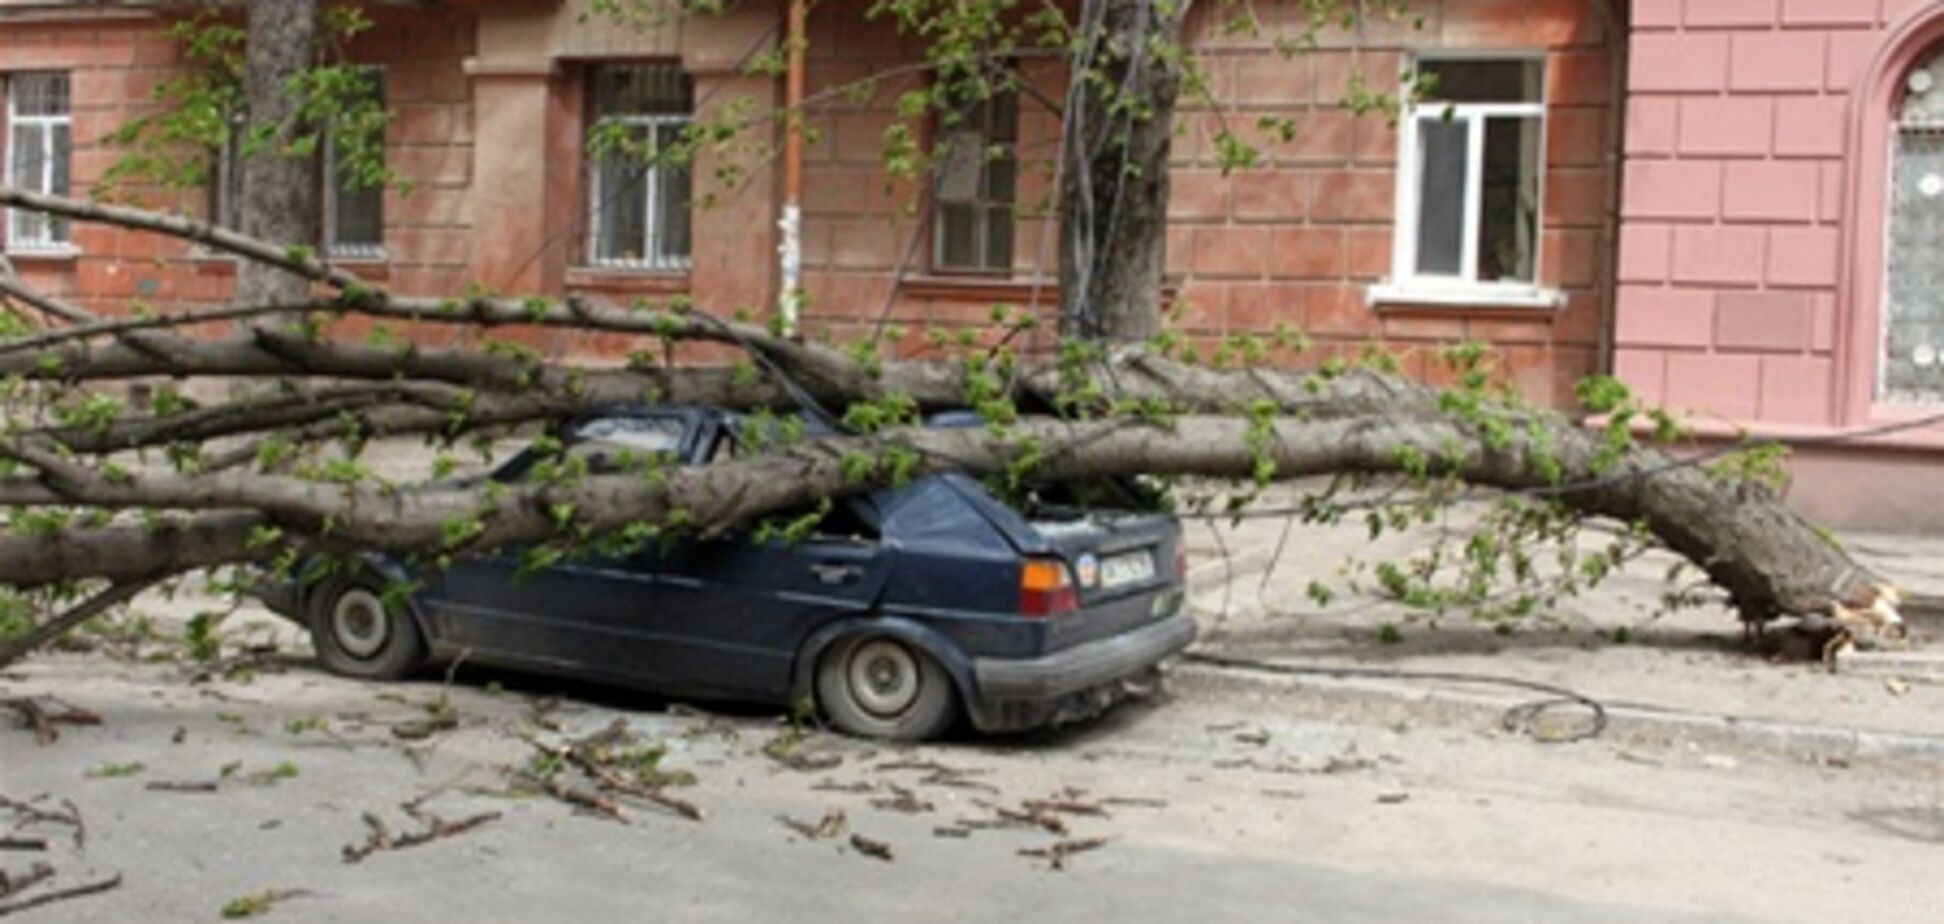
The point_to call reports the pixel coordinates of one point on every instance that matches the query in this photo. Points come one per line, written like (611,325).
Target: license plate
(1126,568)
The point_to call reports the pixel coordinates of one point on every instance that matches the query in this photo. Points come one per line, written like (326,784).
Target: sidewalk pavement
(1686,676)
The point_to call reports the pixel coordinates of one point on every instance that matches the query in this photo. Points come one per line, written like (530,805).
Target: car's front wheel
(357,634)
(875,686)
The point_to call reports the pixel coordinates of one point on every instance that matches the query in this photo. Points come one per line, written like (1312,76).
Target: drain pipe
(789,246)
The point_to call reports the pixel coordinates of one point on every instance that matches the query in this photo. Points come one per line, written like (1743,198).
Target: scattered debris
(1290,794)
(786,748)
(1057,854)
(1258,737)
(23,843)
(255,903)
(830,825)
(1135,801)
(36,715)
(27,813)
(1896,685)
(951,831)
(937,774)
(380,837)
(1393,798)
(902,800)
(615,766)
(871,848)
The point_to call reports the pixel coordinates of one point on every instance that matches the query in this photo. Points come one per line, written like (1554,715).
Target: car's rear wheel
(876,686)
(357,634)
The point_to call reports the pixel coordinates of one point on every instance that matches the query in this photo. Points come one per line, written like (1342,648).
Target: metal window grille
(39,143)
(639,174)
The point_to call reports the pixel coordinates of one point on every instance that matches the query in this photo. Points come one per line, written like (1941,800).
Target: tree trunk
(1114,187)
(280,191)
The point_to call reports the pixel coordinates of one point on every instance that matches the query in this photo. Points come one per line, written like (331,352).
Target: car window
(615,444)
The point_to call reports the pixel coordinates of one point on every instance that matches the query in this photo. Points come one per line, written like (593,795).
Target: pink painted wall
(1737,291)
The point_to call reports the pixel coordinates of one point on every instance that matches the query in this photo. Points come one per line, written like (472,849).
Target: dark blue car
(908,608)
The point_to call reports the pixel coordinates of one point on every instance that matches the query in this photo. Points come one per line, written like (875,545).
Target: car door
(586,611)
(734,611)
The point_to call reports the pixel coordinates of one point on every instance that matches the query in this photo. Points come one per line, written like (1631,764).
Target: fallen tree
(99,490)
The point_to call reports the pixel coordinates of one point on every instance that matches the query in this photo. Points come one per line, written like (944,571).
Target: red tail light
(1046,588)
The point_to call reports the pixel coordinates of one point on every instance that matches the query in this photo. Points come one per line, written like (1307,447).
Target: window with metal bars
(637,167)
(39,144)
(975,152)
(1911,342)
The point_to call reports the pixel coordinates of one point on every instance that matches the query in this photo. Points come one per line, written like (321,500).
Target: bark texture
(1114,176)
(280,191)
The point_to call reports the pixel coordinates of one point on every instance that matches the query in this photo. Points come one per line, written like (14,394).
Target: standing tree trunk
(1114,191)
(280,191)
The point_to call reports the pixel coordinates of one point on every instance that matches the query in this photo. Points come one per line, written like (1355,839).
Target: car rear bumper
(1026,692)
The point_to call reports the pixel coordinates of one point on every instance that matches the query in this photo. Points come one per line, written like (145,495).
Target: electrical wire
(1519,719)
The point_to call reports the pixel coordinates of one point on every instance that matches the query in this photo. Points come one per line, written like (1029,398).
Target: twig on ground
(38,717)
(23,843)
(11,884)
(830,825)
(181,786)
(594,757)
(379,837)
(1056,855)
(27,814)
(48,898)
(871,847)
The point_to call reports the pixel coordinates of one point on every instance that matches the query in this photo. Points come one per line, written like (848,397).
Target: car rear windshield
(610,443)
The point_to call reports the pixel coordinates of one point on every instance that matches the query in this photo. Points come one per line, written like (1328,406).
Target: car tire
(356,634)
(876,686)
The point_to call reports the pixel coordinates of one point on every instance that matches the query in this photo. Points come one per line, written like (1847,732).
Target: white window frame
(16,241)
(1406,284)
(651,231)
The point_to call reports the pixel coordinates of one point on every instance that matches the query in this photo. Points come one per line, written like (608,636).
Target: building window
(353,221)
(1912,341)
(38,144)
(354,200)
(972,195)
(1469,176)
(638,193)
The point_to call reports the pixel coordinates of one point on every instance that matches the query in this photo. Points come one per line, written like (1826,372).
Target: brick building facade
(494,99)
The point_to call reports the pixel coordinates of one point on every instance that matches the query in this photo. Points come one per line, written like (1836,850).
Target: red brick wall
(1297,240)
(115,63)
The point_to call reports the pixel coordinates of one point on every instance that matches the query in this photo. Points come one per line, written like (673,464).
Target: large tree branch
(1747,541)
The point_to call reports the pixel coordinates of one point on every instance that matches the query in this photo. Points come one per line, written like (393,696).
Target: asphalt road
(1215,805)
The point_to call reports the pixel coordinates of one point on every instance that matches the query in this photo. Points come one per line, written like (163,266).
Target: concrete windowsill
(1533,298)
